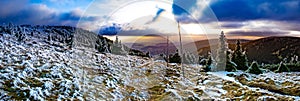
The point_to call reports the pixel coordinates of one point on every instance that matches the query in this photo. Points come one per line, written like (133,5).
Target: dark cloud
(243,10)
(181,8)
(140,32)
(232,25)
(158,13)
(186,19)
(291,25)
(69,16)
(33,14)
(114,29)
(22,12)
(257,33)
(240,10)
(9,7)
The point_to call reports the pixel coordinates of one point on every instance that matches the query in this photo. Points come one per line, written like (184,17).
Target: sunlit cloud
(254,18)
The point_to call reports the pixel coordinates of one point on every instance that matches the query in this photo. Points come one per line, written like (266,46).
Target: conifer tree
(224,56)
(189,57)
(208,64)
(230,66)
(116,41)
(175,58)
(239,57)
(106,46)
(118,48)
(148,54)
(221,56)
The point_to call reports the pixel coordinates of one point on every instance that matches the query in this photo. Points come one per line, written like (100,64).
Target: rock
(230,75)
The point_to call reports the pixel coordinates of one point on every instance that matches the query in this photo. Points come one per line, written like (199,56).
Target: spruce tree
(148,54)
(221,56)
(116,43)
(188,57)
(239,57)
(118,48)
(106,46)
(175,58)
(230,66)
(208,64)
(224,56)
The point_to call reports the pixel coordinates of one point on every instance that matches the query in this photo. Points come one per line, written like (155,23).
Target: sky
(243,19)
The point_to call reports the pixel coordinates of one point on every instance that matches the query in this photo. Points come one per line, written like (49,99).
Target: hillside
(272,49)
(160,48)
(64,37)
(205,43)
(33,68)
(266,50)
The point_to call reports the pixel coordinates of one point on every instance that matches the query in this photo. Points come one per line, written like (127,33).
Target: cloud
(39,14)
(232,24)
(183,10)
(260,27)
(120,30)
(114,29)
(289,25)
(266,25)
(194,11)
(140,32)
(33,14)
(257,33)
(72,15)
(243,10)
(158,13)
(9,7)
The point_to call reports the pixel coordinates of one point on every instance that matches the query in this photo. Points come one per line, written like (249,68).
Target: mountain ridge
(266,50)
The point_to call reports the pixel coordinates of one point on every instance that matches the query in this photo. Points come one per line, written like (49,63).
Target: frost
(50,69)
(46,92)
(18,82)
(36,94)
(263,98)
(48,85)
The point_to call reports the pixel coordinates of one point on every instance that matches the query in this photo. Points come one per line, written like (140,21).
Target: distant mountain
(155,49)
(272,49)
(161,48)
(266,50)
(206,43)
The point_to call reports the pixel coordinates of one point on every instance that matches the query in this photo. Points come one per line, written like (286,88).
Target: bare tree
(181,52)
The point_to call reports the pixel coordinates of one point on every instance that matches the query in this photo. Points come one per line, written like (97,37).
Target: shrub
(282,68)
(254,69)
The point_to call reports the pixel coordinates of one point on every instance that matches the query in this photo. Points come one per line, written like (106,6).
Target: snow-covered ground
(35,69)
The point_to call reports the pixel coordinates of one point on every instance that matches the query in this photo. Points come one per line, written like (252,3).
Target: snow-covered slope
(34,68)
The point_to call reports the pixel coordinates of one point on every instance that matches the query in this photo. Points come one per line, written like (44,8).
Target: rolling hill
(266,50)
(272,49)
(160,48)
(35,68)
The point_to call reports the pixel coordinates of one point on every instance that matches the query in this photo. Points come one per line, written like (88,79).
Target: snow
(36,94)
(263,98)
(48,85)
(18,82)
(80,74)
